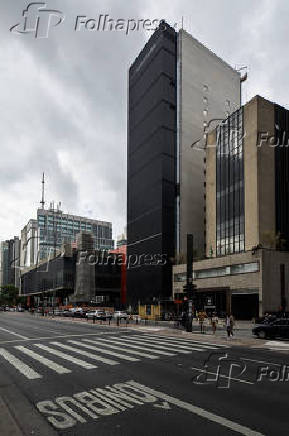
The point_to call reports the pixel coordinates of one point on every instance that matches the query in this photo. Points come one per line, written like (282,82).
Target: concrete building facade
(44,237)
(246,269)
(208,90)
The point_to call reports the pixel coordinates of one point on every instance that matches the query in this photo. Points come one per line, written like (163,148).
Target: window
(230,186)
(245,268)
(242,268)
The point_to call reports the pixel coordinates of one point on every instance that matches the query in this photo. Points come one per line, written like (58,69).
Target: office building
(177,90)
(72,278)
(9,262)
(247,215)
(44,237)
(29,244)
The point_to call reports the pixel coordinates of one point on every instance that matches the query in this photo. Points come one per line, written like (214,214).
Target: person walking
(214,322)
(229,325)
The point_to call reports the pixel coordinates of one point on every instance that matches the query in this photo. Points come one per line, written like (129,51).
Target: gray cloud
(64,98)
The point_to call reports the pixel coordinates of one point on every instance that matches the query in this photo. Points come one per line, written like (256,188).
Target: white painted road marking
(117,342)
(84,353)
(191,341)
(147,343)
(169,345)
(180,343)
(13,333)
(65,356)
(19,365)
(105,343)
(96,403)
(43,360)
(52,337)
(198,411)
(101,350)
(128,344)
(137,341)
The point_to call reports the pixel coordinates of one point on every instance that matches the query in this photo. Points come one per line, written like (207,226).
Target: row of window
(242,268)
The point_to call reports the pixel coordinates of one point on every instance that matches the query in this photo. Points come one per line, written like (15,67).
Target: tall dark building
(176,88)
(152,165)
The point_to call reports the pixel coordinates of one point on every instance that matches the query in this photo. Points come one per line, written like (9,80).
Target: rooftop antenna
(42,202)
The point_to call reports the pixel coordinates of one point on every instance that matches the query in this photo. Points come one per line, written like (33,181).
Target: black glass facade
(230,186)
(151,173)
(282,176)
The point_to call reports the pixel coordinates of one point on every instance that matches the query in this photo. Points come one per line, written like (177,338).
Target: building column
(228,300)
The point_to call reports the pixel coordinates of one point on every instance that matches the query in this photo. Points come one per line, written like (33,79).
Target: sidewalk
(242,330)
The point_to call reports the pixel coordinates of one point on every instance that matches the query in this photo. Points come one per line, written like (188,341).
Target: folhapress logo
(38,20)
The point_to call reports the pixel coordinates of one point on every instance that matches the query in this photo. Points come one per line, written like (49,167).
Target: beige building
(246,269)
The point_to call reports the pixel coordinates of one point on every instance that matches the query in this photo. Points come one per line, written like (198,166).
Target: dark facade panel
(282,176)
(151,165)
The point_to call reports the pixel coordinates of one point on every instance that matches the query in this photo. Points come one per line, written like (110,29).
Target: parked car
(77,312)
(98,314)
(58,312)
(272,329)
(120,314)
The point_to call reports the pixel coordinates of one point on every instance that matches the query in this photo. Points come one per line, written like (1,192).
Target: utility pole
(189,284)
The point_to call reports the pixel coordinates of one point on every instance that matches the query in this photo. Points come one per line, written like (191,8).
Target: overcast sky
(63,98)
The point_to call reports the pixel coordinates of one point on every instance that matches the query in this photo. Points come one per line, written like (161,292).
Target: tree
(9,295)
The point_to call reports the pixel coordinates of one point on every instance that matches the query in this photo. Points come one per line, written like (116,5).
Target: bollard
(93,319)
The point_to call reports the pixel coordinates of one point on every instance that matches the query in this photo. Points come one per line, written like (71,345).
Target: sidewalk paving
(242,331)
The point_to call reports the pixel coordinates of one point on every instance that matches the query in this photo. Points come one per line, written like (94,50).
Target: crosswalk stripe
(178,344)
(19,365)
(43,360)
(65,356)
(158,345)
(177,347)
(84,353)
(112,353)
(148,356)
(189,341)
(127,342)
(103,342)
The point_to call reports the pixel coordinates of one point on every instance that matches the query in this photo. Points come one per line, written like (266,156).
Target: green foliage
(9,295)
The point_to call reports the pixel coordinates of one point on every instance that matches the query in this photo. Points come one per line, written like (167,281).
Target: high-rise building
(10,262)
(247,180)
(177,90)
(29,244)
(247,215)
(42,238)
(56,228)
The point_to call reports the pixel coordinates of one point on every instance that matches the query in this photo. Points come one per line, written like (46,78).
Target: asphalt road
(60,378)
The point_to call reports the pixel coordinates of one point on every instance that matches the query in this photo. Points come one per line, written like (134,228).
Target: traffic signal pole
(189,284)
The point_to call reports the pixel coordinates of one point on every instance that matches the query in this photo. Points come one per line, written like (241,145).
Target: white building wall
(206,83)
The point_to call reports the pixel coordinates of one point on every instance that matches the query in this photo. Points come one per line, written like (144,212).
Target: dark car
(272,329)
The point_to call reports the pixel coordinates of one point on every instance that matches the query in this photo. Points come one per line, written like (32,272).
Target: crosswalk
(36,360)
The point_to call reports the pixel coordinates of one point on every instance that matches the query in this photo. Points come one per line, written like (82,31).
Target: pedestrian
(214,322)
(228,325)
(231,324)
